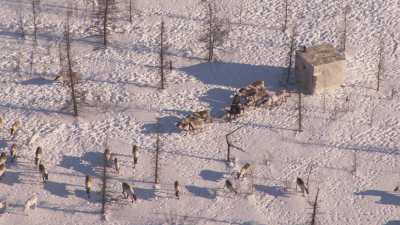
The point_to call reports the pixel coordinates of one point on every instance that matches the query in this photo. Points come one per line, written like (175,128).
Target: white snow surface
(123,103)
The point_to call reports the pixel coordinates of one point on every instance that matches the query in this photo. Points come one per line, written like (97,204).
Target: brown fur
(88,184)
(14,127)
(2,170)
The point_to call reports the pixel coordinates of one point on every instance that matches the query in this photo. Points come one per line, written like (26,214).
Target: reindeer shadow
(237,75)
(37,81)
(85,164)
(211,175)
(145,194)
(201,192)
(94,196)
(393,222)
(385,197)
(271,190)
(3,144)
(10,178)
(95,159)
(55,188)
(58,208)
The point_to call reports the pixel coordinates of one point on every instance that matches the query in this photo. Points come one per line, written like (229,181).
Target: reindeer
(229,186)
(61,77)
(128,192)
(300,183)
(135,154)
(2,170)
(88,185)
(278,98)
(3,207)
(14,128)
(205,115)
(43,172)
(195,121)
(3,158)
(258,85)
(38,155)
(176,187)
(13,152)
(254,93)
(1,122)
(243,171)
(107,155)
(116,165)
(31,203)
(191,124)
(236,107)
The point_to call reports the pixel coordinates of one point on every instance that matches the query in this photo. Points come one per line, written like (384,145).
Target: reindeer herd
(253,95)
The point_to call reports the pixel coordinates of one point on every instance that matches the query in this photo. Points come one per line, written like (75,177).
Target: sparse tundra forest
(200,112)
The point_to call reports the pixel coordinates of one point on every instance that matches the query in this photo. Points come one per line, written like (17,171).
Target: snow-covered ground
(123,104)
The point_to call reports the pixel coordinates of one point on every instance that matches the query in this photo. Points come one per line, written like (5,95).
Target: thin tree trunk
(70,73)
(105,24)
(130,11)
(344,32)
(240,12)
(104,188)
(32,60)
(228,153)
(156,179)
(315,208)
(210,37)
(162,55)
(299,111)
(292,43)
(34,21)
(229,144)
(21,26)
(286,16)
(380,66)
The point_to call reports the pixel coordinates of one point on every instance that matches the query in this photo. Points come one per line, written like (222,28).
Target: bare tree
(156,178)
(72,76)
(162,55)
(285,20)
(157,167)
(315,208)
(380,63)
(21,26)
(299,108)
(103,19)
(32,60)
(104,188)
(346,11)
(130,11)
(216,31)
(35,11)
(230,145)
(20,40)
(61,59)
(310,169)
(240,12)
(291,51)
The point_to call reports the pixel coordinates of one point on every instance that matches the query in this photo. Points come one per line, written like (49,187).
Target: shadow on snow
(237,75)
(386,198)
